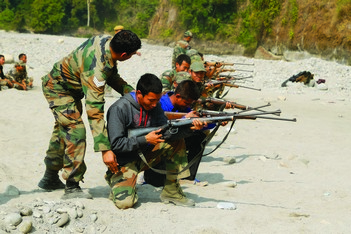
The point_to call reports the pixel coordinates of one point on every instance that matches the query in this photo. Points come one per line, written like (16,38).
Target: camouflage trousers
(123,183)
(68,140)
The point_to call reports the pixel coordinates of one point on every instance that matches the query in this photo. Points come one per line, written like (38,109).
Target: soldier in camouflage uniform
(135,110)
(18,77)
(83,73)
(181,47)
(4,81)
(182,64)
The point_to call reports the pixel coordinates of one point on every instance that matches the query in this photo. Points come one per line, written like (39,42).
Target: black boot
(73,190)
(51,181)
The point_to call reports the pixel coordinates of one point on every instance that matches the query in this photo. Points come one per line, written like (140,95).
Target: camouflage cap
(197,66)
(180,76)
(118,27)
(188,34)
(192,52)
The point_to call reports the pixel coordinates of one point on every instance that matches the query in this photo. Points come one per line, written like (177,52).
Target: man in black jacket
(135,110)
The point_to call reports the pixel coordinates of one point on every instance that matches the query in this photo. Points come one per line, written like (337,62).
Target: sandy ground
(291,177)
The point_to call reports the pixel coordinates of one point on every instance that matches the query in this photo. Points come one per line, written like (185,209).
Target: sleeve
(118,83)
(118,123)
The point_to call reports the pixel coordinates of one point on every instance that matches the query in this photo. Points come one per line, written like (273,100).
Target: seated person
(136,110)
(4,81)
(18,77)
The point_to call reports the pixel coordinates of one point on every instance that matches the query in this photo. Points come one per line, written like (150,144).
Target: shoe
(194,182)
(172,193)
(51,181)
(76,192)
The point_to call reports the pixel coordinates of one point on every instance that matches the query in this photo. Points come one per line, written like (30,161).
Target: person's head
(149,91)
(186,94)
(118,28)
(2,59)
(182,63)
(197,71)
(188,36)
(23,57)
(124,45)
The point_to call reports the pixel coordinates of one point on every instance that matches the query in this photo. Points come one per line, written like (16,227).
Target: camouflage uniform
(18,76)
(167,80)
(82,73)
(180,48)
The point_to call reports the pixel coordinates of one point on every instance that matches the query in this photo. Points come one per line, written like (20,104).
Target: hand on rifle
(191,114)
(198,124)
(154,137)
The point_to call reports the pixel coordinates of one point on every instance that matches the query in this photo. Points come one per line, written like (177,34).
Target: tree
(47,15)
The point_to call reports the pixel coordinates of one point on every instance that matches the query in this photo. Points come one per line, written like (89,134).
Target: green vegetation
(235,21)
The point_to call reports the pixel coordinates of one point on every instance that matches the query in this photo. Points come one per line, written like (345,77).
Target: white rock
(13,219)
(229,160)
(226,206)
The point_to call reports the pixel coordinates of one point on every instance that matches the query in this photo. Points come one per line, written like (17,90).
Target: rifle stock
(174,115)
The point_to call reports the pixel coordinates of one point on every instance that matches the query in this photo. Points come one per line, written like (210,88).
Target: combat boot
(173,193)
(73,190)
(51,181)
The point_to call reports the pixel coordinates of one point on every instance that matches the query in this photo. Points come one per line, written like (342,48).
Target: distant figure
(4,81)
(18,76)
(181,47)
(118,28)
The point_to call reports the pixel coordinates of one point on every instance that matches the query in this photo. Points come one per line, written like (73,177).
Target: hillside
(321,28)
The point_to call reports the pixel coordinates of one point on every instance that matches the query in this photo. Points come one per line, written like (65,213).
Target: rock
(322,86)
(36,214)
(230,184)
(72,213)
(25,226)
(26,211)
(79,213)
(60,41)
(226,206)
(13,219)
(12,191)
(281,98)
(63,220)
(80,205)
(93,217)
(229,160)
(262,53)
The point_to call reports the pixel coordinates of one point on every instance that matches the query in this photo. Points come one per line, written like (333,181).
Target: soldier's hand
(109,159)
(198,124)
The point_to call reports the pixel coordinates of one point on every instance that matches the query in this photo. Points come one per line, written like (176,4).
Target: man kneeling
(135,110)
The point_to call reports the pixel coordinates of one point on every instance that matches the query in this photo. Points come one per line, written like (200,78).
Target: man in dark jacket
(135,110)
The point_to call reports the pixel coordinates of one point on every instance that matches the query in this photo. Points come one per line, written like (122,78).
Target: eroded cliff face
(320,29)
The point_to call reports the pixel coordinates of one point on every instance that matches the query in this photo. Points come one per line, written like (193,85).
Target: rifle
(227,83)
(215,63)
(232,78)
(172,127)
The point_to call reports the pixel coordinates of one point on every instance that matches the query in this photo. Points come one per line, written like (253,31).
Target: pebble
(226,206)
(229,160)
(322,86)
(63,220)
(13,219)
(79,205)
(26,211)
(93,217)
(25,226)
(72,213)
(230,184)
(79,213)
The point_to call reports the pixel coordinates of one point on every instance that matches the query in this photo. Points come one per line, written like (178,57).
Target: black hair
(125,41)
(2,56)
(183,57)
(187,89)
(149,83)
(21,55)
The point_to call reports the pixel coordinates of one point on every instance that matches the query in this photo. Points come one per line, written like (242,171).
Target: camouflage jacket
(167,80)
(84,72)
(17,76)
